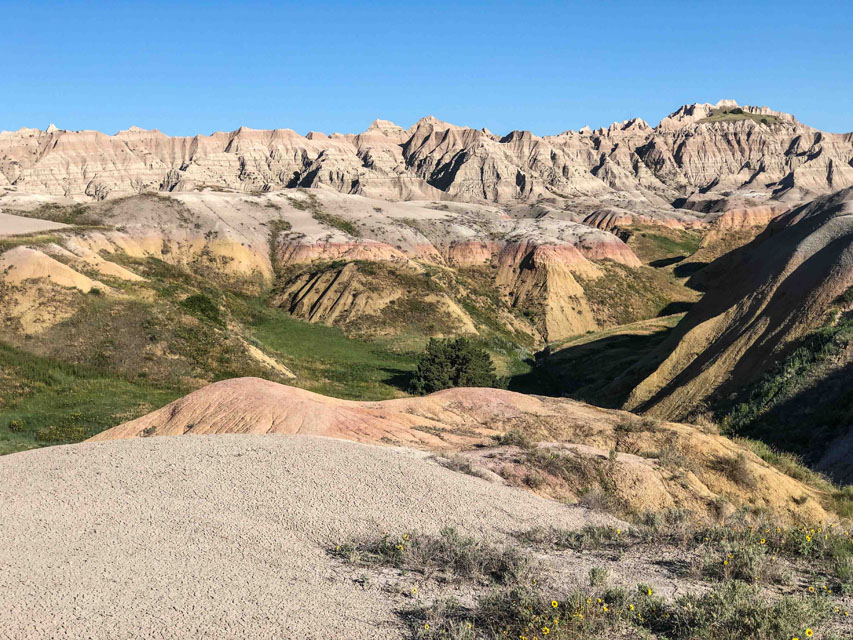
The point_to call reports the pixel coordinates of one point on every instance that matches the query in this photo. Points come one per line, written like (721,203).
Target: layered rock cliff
(700,156)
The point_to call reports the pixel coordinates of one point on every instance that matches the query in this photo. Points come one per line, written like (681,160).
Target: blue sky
(197,67)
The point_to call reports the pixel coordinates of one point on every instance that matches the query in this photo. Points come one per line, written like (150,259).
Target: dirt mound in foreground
(654,466)
(226,537)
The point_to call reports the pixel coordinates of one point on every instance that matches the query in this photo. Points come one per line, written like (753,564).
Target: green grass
(508,600)
(312,204)
(595,537)
(449,553)
(27,239)
(624,295)
(788,463)
(336,222)
(585,367)
(324,359)
(736,113)
(757,411)
(66,214)
(660,243)
(45,402)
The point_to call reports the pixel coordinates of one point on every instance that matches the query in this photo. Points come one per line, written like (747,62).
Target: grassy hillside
(655,244)
(323,358)
(116,358)
(805,400)
(624,295)
(584,367)
(44,401)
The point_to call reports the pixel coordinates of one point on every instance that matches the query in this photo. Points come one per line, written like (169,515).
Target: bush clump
(201,305)
(451,553)
(453,363)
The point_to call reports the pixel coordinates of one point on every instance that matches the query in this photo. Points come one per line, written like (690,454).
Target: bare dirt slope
(300,241)
(765,296)
(226,536)
(11,225)
(655,465)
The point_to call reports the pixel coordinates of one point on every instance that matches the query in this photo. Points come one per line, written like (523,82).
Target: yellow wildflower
(555,604)
(809,633)
(545,631)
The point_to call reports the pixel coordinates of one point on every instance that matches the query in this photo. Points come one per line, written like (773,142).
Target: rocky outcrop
(713,151)
(309,244)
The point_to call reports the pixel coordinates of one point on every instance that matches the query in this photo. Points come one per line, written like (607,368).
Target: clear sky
(197,67)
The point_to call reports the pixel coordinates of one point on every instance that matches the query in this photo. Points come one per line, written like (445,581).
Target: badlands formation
(702,153)
(537,215)
(437,230)
(765,296)
(179,301)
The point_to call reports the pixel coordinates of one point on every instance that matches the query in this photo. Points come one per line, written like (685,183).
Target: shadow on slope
(762,295)
(804,405)
(587,368)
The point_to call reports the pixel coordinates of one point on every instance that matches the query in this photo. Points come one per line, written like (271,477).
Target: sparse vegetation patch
(456,555)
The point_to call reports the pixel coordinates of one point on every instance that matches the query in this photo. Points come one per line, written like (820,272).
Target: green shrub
(736,469)
(453,363)
(732,612)
(515,438)
(16,425)
(202,306)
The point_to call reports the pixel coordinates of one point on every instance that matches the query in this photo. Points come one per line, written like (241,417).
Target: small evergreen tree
(453,363)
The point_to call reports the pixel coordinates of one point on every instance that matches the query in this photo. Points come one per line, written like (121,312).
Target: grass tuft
(450,552)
